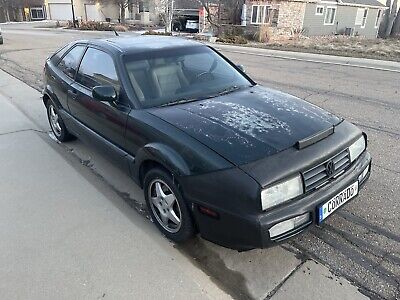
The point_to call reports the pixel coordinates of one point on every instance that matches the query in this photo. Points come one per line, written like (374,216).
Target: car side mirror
(106,93)
(241,68)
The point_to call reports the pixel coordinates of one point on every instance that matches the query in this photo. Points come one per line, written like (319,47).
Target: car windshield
(175,76)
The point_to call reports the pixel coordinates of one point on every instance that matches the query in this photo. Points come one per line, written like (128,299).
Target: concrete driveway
(361,242)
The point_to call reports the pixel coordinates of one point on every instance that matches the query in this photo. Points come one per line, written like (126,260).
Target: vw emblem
(330,168)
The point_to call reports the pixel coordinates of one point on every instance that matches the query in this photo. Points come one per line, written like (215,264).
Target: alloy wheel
(165,206)
(54,121)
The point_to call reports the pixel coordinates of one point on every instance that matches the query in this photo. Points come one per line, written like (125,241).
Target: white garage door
(60,12)
(93,13)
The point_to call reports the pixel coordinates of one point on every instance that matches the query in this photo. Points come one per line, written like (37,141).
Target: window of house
(319,11)
(69,64)
(143,6)
(260,14)
(37,13)
(330,15)
(97,68)
(361,17)
(364,19)
(378,18)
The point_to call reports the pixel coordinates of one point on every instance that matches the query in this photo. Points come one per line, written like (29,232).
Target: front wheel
(167,207)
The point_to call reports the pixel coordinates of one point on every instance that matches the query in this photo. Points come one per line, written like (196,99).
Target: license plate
(333,204)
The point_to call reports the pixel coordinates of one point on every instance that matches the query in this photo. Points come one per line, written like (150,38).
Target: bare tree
(11,8)
(396,25)
(389,19)
(14,8)
(167,15)
(122,4)
(212,9)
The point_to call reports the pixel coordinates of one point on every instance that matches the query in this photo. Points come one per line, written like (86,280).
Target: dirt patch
(383,49)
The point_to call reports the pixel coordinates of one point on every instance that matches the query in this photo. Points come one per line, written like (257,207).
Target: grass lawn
(384,49)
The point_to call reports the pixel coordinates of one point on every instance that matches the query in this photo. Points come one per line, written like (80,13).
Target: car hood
(248,124)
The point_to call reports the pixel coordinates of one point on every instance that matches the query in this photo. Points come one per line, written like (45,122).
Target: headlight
(357,148)
(281,192)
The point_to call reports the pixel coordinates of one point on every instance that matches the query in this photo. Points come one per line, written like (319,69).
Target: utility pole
(73,13)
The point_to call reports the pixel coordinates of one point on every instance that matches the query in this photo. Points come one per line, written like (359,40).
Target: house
(28,10)
(84,10)
(316,17)
(144,12)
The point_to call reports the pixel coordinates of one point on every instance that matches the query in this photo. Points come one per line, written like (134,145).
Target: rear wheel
(56,123)
(176,27)
(167,207)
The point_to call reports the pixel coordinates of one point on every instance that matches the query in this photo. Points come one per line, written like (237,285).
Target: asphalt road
(362,240)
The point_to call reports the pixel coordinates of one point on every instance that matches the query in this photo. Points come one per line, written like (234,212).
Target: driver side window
(97,68)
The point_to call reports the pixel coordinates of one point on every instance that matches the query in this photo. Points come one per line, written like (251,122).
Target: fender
(162,154)
(48,92)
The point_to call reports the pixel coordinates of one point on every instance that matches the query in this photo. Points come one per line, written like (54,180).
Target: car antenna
(116,33)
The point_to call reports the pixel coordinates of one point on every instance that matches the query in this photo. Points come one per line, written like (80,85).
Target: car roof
(143,43)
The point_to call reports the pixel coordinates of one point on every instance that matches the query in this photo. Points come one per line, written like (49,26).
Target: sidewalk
(66,235)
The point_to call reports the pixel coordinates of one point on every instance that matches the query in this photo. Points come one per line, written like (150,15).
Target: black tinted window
(59,53)
(69,64)
(97,68)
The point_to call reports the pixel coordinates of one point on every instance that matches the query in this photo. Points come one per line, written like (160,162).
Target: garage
(93,13)
(60,12)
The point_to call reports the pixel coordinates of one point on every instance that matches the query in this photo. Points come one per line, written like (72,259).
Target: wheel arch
(46,98)
(49,95)
(159,155)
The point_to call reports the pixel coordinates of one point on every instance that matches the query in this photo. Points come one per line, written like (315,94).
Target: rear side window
(56,57)
(69,64)
(97,68)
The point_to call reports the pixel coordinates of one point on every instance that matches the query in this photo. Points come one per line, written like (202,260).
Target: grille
(318,175)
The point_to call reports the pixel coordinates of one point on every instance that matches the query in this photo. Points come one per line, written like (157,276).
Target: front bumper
(252,231)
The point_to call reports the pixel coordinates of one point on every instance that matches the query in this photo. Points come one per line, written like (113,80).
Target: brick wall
(291,14)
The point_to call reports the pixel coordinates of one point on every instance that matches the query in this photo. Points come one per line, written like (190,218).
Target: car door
(104,122)
(61,76)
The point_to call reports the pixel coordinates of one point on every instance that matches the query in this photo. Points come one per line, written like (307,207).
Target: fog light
(363,174)
(288,225)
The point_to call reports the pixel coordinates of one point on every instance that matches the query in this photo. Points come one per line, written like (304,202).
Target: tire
(177,27)
(169,204)
(56,123)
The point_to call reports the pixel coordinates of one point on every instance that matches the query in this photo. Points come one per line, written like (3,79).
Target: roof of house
(362,3)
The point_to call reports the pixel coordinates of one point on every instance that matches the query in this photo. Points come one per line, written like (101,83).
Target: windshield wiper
(226,91)
(179,101)
(187,99)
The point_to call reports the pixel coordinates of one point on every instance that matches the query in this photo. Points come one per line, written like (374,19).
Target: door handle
(72,94)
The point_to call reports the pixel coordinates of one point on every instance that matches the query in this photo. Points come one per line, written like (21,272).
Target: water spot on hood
(293,105)
(212,133)
(247,120)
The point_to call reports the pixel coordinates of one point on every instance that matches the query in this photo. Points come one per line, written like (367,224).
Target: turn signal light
(208,211)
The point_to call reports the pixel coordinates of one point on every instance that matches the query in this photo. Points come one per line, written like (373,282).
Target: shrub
(120,28)
(230,30)
(296,33)
(263,34)
(232,39)
(98,26)
(152,32)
